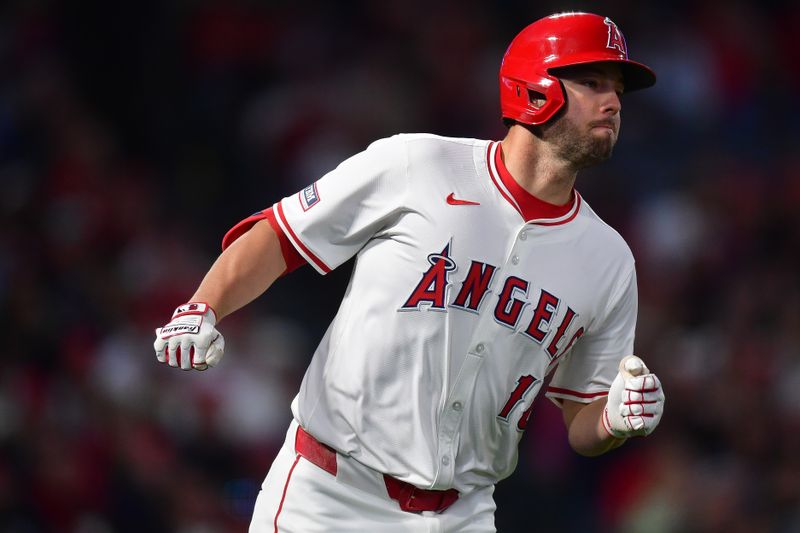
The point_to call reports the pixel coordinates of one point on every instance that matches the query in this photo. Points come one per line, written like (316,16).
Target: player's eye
(592,84)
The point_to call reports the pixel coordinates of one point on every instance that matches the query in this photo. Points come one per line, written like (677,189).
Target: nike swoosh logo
(452,200)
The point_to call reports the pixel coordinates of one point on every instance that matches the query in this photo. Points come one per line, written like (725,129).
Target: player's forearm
(243,271)
(587,435)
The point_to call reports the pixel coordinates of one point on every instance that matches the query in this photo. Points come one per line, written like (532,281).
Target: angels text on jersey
(545,328)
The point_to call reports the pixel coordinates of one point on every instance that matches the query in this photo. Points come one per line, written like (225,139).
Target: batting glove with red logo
(190,340)
(635,401)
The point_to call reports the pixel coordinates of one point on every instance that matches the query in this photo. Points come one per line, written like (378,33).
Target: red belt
(410,498)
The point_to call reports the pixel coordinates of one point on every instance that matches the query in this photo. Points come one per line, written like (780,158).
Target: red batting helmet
(560,40)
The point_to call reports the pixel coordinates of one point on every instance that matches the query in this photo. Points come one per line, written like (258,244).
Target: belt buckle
(417,500)
(411,504)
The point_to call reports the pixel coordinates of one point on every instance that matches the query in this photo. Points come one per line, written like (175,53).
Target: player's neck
(535,168)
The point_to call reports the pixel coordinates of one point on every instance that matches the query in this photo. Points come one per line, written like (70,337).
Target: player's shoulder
(437,140)
(603,235)
(429,142)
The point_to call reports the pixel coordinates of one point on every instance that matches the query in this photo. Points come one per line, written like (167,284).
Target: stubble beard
(580,149)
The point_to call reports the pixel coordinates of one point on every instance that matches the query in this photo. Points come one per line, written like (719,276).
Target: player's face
(586,133)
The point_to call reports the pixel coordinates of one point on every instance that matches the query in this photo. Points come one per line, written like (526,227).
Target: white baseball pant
(300,497)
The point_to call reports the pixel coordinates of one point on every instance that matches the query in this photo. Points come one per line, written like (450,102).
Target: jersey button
(515,260)
(523,236)
(445,460)
(457,406)
(479,348)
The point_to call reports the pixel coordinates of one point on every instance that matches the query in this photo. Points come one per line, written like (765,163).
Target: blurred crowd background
(134,134)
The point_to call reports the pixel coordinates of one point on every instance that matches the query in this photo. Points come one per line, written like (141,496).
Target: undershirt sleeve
(292,259)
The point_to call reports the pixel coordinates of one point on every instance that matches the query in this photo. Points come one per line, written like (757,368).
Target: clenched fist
(190,340)
(635,401)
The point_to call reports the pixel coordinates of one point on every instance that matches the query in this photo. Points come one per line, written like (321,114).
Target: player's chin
(590,160)
(603,146)
(599,151)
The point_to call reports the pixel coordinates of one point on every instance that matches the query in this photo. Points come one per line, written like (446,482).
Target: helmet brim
(635,75)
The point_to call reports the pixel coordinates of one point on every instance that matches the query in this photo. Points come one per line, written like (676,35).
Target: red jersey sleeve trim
(292,259)
(578,396)
(301,248)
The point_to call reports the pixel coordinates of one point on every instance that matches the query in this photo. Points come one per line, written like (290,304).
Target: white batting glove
(190,340)
(635,401)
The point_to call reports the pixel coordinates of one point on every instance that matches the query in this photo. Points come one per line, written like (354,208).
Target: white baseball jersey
(466,292)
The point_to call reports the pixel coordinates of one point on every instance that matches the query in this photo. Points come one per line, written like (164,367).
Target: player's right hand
(635,402)
(190,340)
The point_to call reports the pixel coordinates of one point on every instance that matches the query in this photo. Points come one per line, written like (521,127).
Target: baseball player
(480,271)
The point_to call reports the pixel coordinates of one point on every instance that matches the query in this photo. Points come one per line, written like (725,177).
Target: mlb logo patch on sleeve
(309,197)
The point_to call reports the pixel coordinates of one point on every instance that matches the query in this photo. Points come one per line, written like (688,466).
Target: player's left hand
(635,401)
(190,340)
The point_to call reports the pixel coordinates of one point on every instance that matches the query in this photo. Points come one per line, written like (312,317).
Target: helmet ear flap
(532,101)
(554,100)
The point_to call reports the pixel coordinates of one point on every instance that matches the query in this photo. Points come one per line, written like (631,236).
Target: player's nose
(611,103)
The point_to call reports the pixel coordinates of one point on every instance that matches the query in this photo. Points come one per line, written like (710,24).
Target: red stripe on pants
(283,496)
